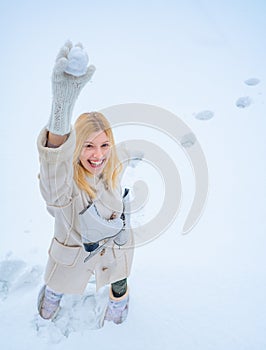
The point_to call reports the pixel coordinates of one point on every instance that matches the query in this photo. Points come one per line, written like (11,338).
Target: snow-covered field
(205,62)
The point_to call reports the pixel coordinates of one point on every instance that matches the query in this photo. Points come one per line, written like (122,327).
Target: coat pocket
(63,254)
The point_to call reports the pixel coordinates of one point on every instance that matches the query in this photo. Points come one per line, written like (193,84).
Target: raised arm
(56,143)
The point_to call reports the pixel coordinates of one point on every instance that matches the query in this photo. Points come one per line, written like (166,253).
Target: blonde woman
(79,181)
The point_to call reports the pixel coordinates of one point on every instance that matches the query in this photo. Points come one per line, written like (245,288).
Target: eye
(105,145)
(88,146)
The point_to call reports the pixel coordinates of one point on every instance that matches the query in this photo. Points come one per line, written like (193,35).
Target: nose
(97,153)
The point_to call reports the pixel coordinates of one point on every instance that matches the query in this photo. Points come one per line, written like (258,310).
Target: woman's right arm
(54,141)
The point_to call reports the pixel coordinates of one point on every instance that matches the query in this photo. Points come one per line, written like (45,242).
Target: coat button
(102,252)
(104,268)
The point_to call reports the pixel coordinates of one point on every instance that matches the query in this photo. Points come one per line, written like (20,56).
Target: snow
(205,290)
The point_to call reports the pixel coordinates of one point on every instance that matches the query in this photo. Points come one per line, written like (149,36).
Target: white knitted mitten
(65,89)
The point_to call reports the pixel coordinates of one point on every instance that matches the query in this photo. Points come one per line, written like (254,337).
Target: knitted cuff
(60,119)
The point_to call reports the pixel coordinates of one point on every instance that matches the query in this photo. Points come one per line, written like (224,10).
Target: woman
(79,180)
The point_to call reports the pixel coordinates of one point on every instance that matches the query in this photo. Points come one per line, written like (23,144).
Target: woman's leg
(119,288)
(117,308)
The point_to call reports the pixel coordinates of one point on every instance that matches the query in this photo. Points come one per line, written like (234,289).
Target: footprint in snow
(16,274)
(252,81)
(188,140)
(243,102)
(204,115)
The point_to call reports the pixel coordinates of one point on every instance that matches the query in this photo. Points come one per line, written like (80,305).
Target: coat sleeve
(56,170)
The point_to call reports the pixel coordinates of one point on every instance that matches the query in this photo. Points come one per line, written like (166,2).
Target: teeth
(96,163)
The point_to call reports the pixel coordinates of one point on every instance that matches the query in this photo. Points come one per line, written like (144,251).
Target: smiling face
(95,152)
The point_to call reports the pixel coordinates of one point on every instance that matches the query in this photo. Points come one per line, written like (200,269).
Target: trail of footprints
(189,140)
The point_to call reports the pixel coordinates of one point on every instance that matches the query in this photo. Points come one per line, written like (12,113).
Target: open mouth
(96,164)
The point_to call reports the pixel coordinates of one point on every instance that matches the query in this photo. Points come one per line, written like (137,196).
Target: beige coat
(66,271)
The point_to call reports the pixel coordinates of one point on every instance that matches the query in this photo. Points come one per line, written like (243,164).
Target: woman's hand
(65,89)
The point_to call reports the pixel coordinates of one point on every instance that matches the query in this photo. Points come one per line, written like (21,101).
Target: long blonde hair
(85,125)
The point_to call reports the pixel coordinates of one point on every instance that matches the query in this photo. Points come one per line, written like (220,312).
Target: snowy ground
(205,62)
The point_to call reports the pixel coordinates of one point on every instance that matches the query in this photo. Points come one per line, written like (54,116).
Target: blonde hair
(85,125)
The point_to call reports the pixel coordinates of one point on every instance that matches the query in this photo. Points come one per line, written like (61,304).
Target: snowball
(77,62)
